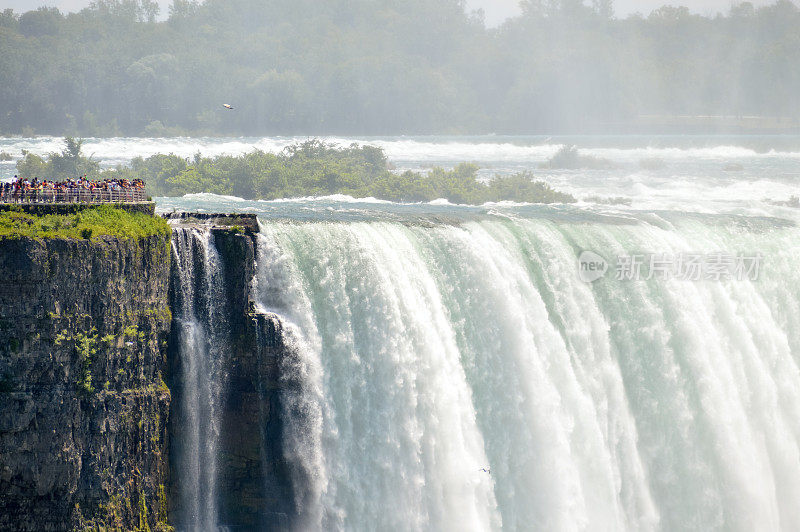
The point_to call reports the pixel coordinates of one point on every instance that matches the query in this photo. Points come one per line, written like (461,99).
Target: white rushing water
(203,338)
(462,377)
(487,148)
(744,174)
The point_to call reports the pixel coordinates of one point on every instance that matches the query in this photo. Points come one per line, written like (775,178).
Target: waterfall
(203,338)
(463,377)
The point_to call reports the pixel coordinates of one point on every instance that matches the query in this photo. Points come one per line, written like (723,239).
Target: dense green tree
(68,164)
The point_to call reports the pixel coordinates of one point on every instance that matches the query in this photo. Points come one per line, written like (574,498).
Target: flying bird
(486,470)
(227,106)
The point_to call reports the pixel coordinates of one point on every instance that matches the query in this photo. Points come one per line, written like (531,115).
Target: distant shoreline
(708,125)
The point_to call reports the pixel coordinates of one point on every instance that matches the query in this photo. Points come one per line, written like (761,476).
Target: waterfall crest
(462,377)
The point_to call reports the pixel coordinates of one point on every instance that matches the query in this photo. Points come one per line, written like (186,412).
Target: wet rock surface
(253,483)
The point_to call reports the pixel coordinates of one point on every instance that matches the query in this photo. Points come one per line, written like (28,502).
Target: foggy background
(389,67)
(496,10)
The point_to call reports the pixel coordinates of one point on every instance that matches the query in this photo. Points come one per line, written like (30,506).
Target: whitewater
(462,377)
(744,174)
(456,373)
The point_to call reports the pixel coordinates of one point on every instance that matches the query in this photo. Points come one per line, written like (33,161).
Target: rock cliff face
(253,483)
(88,355)
(83,407)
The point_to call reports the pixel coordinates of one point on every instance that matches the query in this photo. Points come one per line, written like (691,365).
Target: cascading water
(462,376)
(203,339)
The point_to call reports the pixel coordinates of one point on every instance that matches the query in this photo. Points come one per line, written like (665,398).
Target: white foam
(338,198)
(691,178)
(437,352)
(399,149)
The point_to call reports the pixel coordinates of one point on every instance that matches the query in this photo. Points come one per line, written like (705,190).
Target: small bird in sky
(227,106)
(486,470)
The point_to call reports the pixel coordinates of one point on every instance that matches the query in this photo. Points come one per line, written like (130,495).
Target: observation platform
(43,202)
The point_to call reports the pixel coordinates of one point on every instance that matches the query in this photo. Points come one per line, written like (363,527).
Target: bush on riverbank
(68,164)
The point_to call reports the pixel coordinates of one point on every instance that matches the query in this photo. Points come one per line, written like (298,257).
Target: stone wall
(83,407)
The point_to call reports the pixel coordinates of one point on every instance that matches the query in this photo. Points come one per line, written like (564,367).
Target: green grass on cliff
(88,224)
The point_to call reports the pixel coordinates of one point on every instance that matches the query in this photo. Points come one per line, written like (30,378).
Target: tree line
(387,67)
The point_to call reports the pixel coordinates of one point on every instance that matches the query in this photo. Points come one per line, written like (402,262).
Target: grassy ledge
(89,224)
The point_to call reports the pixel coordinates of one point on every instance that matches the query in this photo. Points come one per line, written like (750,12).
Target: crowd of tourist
(80,190)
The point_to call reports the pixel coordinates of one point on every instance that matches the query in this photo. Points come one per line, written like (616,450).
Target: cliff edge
(83,407)
(251,478)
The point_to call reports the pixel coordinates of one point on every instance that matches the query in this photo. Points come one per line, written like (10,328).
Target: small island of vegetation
(311,168)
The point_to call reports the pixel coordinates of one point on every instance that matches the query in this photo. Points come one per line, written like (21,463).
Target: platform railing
(74,195)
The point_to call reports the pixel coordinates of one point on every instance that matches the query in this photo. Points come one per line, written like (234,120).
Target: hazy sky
(496,10)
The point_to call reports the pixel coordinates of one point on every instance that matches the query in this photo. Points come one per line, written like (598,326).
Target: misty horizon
(423,67)
(496,11)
